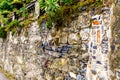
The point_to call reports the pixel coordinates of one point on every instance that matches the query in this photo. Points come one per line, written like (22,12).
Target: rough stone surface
(115,45)
(2,77)
(41,54)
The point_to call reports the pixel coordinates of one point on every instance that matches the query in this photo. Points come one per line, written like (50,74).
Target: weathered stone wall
(115,45)
(39,53)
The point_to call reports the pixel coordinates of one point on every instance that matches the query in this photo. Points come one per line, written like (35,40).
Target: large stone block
(74,38)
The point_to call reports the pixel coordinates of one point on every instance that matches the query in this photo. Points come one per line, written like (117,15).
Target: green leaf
(3,33)
(13,25)
(66,2)
(5,5)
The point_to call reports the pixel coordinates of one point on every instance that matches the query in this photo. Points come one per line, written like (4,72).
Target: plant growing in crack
(50,7)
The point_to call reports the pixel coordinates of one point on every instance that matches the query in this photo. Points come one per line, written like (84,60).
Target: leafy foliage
(5,13)
(43,17)
(66,2)
(5,5)
(58,11)
(12,25)
(3,20)
(17,4)
(26,23)
(3,33)
(24,12)
(28,1)
(50,7)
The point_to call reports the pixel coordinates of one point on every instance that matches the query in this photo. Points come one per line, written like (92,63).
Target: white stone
(72,75)
(73,36)
(19,59)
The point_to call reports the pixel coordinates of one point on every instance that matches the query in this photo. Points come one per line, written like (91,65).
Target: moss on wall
(7,74)
(3,33)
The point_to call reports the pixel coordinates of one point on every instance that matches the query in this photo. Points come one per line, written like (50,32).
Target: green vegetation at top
(3,33)
(10,5)
(55,12)
(12,25)
(5,5)
(59,11)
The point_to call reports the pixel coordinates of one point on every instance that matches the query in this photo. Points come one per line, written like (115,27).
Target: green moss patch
(3,33)
(7,74)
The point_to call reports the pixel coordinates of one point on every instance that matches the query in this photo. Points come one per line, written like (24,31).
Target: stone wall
(115,46)
(41,54)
